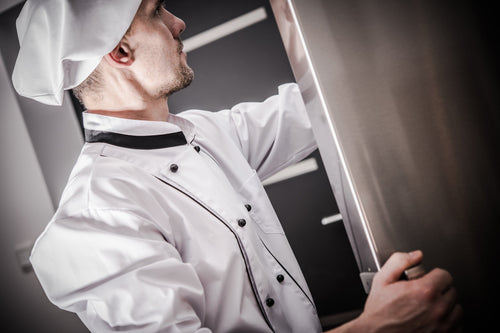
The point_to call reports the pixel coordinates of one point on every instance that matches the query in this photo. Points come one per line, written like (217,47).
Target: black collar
(136,142)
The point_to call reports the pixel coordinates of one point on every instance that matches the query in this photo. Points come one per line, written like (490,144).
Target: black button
(174,167)
(197,148)
(242,222)
(280,278)
(269,302)
(248,207)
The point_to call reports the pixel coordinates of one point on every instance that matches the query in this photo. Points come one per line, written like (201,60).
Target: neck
(156,111)
(122,96)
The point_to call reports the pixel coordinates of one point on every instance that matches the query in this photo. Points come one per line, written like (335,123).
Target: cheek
(160,47)
(157,57)
(158,66)
(155,53)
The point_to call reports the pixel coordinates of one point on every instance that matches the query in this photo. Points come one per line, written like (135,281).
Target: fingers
(442,296)
(453,321)
(449,300)
(455,318)
(429,301)
(396,265)
(439,280)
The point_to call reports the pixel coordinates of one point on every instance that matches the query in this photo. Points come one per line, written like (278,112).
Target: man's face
(160,66)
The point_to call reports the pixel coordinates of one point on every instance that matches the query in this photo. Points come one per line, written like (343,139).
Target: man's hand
(424,305)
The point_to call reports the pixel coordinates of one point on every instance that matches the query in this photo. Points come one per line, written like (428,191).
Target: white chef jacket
(166,227)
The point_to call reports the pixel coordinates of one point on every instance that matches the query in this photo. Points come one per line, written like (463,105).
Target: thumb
(395,266)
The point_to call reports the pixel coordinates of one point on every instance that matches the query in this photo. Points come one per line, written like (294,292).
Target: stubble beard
(184,77)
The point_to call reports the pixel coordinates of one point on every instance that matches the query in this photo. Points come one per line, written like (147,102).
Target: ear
(121,56)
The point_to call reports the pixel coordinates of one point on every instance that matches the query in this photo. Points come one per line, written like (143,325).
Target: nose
(176,25)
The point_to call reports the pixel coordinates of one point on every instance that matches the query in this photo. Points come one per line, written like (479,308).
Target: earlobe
(120,56)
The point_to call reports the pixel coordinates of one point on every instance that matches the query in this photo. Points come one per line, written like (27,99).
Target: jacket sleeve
(272,134)
(275,133)
(118,276)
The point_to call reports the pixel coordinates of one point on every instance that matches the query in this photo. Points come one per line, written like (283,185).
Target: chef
(164,225)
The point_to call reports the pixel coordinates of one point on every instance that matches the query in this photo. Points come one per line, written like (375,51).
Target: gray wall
(25,208)
(38,146)
(6,4)
(54,131)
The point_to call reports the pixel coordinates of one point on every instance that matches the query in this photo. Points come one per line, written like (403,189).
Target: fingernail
(414,254)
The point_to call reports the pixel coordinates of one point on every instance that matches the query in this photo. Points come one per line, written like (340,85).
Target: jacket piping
(240,245)
(283,267)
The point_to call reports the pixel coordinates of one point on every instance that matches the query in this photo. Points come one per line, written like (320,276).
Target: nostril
(182,26)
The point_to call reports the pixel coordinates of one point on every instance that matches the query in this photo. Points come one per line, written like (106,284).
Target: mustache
(180,45)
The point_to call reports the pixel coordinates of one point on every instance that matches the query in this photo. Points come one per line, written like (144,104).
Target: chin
(184,79)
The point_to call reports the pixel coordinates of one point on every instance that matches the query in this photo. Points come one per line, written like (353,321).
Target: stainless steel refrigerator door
(404,101)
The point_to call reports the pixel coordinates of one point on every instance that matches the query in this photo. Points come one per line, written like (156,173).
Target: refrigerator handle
(410,274)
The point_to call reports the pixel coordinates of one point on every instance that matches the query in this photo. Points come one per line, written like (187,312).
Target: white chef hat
(63,41)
